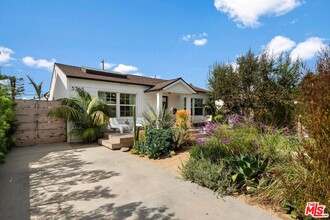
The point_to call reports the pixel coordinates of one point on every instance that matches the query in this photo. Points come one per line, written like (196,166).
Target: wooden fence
(34,127)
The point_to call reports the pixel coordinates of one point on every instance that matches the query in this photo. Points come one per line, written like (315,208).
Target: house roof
(161,85)
(112,76)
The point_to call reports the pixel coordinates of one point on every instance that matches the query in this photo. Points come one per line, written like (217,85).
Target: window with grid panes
(110,98)
(197,107)
(127,101)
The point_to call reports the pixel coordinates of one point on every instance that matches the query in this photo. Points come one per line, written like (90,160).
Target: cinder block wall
(34,127)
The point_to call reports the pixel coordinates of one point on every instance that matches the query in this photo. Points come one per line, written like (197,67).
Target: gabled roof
(165,84)
(113,76)
(159,86)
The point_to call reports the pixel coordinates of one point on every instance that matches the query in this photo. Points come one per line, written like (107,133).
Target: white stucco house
(123,91)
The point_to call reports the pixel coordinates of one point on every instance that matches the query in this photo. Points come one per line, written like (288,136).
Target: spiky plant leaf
(37,88)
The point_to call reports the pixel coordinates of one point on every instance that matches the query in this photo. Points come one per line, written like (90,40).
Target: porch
(116,140)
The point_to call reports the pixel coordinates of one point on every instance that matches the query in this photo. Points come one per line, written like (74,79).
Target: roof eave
(102,80)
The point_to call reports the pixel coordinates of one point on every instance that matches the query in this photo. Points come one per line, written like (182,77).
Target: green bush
(158,143)
(213,150)
(246,158)
(204,172)
(241,140)
(7,116)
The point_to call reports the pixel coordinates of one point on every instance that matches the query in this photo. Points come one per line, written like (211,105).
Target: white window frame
(118,105)
(114,105)
(193,107)
(130,105)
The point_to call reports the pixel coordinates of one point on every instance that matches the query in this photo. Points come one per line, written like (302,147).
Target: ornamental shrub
(7,117)
(158,143)
(206,173)
(182,119)
(242,159)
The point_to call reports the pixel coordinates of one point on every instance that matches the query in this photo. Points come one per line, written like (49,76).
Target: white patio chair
(139,122)
(208,118)
(114,124)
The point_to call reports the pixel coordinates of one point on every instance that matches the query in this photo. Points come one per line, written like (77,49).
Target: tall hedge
(7,116)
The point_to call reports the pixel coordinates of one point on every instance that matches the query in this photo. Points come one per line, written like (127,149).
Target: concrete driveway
(92,182)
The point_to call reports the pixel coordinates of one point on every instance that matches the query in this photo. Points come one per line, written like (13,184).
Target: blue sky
(162,38)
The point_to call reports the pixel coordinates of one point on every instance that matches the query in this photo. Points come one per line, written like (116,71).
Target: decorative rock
(124,149)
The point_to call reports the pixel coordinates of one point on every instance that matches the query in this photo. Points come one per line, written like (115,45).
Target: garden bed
(173,163)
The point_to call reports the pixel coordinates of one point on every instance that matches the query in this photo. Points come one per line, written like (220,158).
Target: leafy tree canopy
(15,85)
(261,86)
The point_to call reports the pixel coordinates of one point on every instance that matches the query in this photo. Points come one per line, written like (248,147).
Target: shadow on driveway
(59,182)
(92,182)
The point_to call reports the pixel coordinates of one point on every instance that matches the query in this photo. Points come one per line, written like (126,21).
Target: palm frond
(102,106)
(73,103)
(87,115)
(91,104)
(65,112)
(37,88)
(82,94)
(99,118)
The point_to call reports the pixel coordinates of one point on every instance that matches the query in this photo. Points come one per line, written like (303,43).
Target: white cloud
(107,65)
(280,44)
(125,68)
(204,34)
(40,63)
(307,49)
(6,55)
(200,42)
(198,39)
(293,21)
(187,37)
(234,65)
(246,13)
(304,50)
(137,74)
(155,76)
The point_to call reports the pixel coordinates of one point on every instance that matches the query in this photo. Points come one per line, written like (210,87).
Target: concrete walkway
(93,182)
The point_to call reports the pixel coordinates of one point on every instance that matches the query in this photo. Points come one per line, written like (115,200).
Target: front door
(165,102)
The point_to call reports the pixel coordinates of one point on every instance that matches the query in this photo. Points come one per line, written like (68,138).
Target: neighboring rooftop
(113,76)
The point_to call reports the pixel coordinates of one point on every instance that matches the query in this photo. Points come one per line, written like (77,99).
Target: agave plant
(161,119)
(87,116)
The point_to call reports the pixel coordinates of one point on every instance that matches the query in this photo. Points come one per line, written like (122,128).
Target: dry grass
(171,164)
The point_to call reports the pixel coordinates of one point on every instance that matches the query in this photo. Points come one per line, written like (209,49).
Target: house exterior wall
(199,118)
(93,87)
(177,101)
(62,86)
(58,86)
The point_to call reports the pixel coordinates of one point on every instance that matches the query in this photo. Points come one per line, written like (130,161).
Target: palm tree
(37,88)
(87,116)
